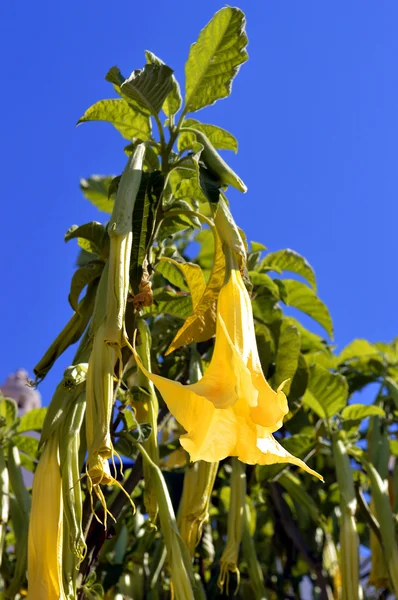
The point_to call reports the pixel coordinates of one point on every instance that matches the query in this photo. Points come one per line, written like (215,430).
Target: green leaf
(82,277)
(173,102)
(178,304)
(264,281)
(201,325)
(27,444)
(356,412)
(327,392)
(93,233)
(146,203)
(287,356)
(193,276)
(289,260)
(129,122)
(215,58)
(304,298)
(32,420)
(149,86)
(265,308)
(358,349)
(219,137)
(8,410)
(265,345)
(96,189)
(184,180)
(310,342)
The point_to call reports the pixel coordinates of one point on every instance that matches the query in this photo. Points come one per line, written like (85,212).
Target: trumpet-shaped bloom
(232,410)
(45,529)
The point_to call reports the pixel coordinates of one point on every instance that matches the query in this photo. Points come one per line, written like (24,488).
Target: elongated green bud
(179,561)
(149,414)
(193,511)
(110,336)
(236,519)
(70,473)
(294,487)
(70,334)
(253,566)
(379,491)
(216,164)
(4,501)
(379,454)
(349,540)
(20,503)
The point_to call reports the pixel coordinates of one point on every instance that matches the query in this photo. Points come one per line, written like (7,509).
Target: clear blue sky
(315,111)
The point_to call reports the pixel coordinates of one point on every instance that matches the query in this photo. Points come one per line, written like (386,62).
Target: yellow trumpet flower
(45,528)
(232,410)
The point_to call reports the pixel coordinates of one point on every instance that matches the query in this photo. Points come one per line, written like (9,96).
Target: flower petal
(45,528)
(272,452)
(211,432)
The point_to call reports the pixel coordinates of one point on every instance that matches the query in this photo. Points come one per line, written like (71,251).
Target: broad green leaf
(96,189)
(356,412)
(327,392)
(289,260)
(27,444)
(358,349)
(191,273)
(32,420)
(82,277)
(264,281)
(299,382)
(265,345)
(173,101)
(206,253)
(287,356)
(219,137)
(128,121)
(149,86)
(215,58)
(304,298)
(8,410)
(265,308)
(167,268)
(187,141)
(94,234)
(310,342)
(178,304)
(184,180)
(145,206)
(201,325)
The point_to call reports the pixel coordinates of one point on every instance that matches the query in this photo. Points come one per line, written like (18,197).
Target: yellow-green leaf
(287,355)
(201,325)
(327,392)
(304,298)
(129,122)
(219,137)
(289,260)
(215,58)
(193,276)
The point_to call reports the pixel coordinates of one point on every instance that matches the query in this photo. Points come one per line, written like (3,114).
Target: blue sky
(315,111)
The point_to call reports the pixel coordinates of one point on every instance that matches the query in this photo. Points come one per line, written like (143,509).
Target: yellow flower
(45,529)
(232,410)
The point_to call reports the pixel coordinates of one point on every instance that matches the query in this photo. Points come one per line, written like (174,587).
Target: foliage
(280,525)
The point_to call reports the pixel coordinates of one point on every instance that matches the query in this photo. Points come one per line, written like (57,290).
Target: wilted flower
(232,410)
(45,528)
